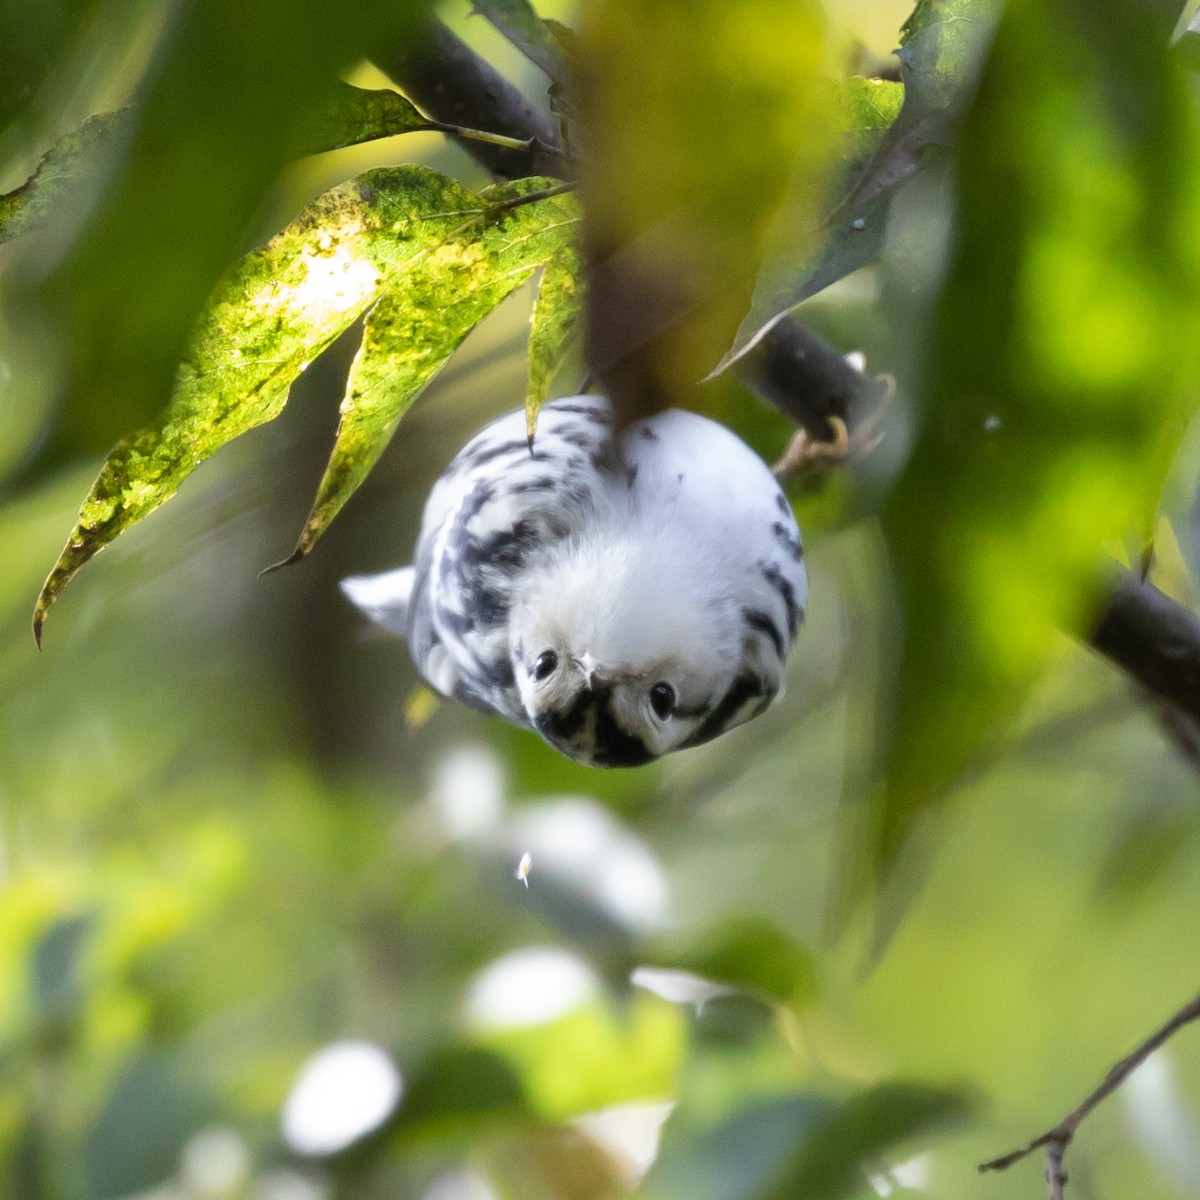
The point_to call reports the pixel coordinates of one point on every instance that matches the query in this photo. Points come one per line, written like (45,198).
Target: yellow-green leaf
(417,325)
(276,312)
(554,326)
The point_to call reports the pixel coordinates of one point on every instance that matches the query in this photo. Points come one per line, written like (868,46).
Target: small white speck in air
(523,868)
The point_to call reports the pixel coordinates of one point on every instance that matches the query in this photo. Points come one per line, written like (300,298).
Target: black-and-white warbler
(624,597)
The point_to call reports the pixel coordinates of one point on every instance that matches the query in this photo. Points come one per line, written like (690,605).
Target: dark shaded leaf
(457,1093)
(151,1111)
(941,47)
(33,35)
(754,954)
(70,160)
(832,1162)
(57,984)
(363,114)
(528,32)
(238,90)
(853,236)
(1187,45)
(738,1158)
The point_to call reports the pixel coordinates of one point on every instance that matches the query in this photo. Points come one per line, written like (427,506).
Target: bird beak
(587,664)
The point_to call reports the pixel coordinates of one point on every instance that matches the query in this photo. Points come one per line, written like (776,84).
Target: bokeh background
(260,935)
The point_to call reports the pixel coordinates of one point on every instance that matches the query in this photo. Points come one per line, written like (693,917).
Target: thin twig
(533,197)
(1057,1140)
(529,145)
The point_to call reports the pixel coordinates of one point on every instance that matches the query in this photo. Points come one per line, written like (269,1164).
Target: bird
(623,595)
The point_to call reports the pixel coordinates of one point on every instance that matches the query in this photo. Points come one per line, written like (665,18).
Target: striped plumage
(624,600)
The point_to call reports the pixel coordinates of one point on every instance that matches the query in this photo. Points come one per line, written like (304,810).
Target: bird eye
(662,700)
(543,668)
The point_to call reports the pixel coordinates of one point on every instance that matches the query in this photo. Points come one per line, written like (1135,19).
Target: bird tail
(384,598)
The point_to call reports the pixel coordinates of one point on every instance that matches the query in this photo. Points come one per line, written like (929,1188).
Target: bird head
(625,650)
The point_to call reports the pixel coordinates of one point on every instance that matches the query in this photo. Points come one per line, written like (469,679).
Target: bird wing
(495,509)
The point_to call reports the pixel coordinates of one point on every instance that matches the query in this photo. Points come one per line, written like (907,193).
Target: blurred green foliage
(222,849)
(1077,251)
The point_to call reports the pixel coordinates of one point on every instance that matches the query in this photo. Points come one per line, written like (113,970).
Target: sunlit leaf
(71,159)
(554,326)
(286,303)
(691,148)
(615,1057)
(413,329)
(1063,371)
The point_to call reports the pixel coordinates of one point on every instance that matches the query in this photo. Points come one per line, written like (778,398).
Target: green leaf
(616,1056)
(852,236)
(357,115)
(754,954)
(1187,45)
(156,1103)
(71,159)
(33,39)
(797,1146)
(364,114)
(737,1158)
(57,961)
(236,92)
(831,1164)
(554,326)
(888,130)
(458,1092)
(676,242)
(413,330)
(531,35)
(941,48)
(375,237)
(1063,368)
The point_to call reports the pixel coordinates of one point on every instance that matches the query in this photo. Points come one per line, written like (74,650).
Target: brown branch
(445,78)
(1057,1140)
(1154,639)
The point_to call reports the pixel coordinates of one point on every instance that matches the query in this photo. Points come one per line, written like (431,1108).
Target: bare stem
(1057,1140)
(533,197)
